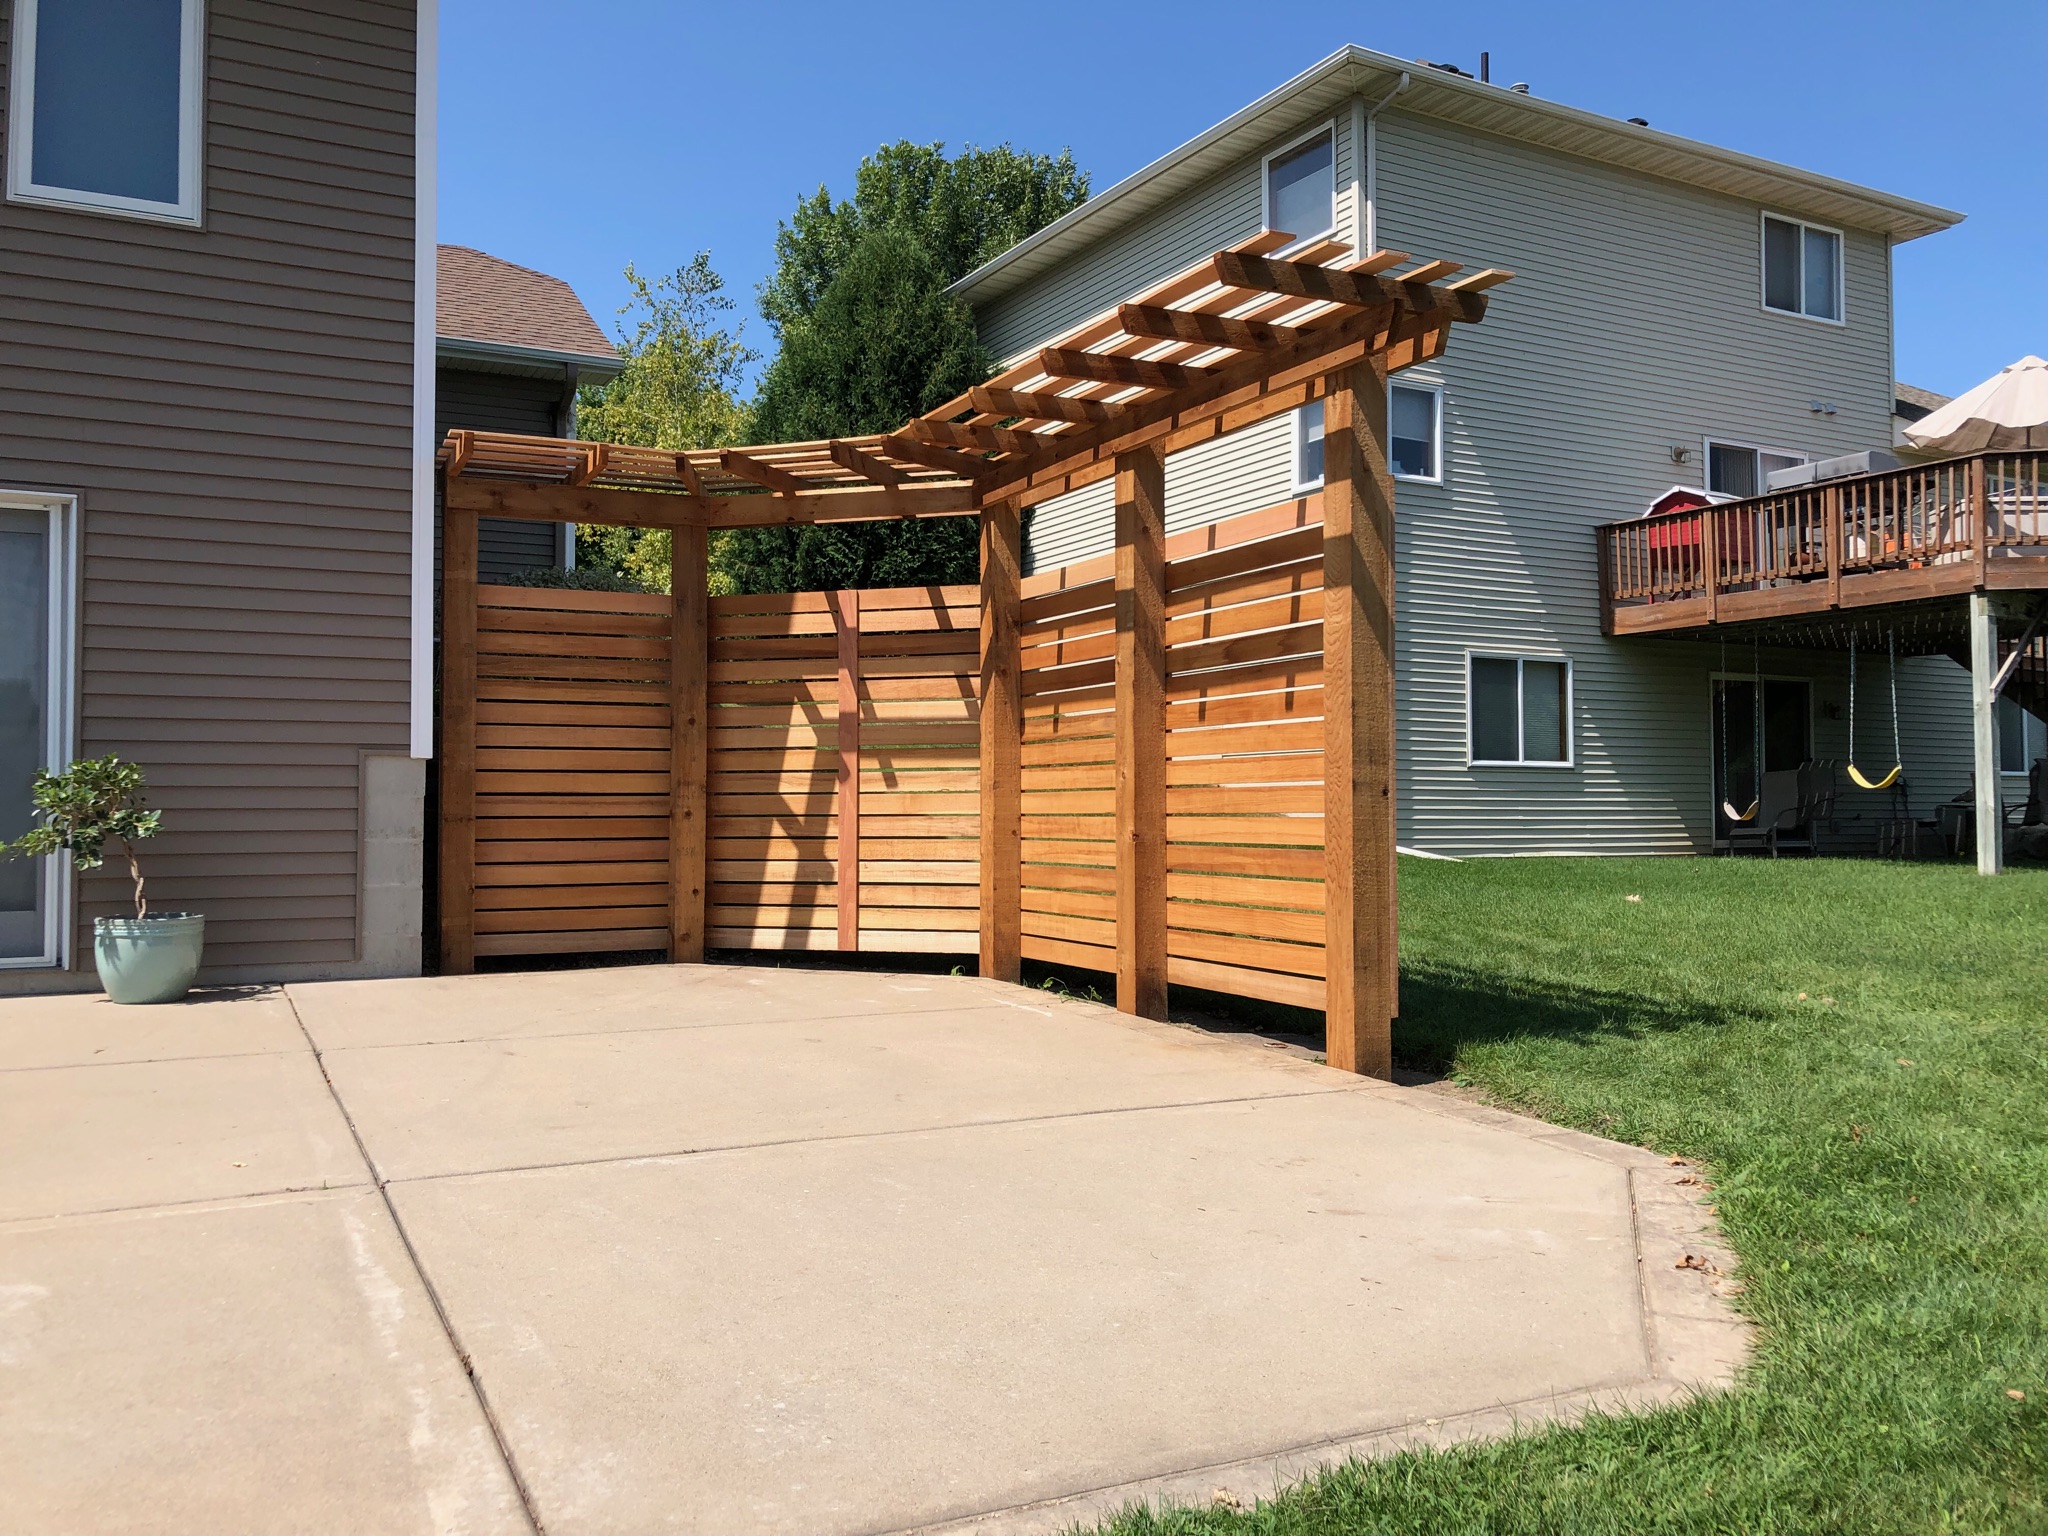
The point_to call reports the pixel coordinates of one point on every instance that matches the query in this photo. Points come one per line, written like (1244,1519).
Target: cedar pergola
(1239,337)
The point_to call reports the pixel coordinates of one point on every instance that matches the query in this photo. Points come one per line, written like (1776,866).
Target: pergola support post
(689,744)
(1141,733)
(1002,729)
(1984,731)
(1360,935)
(458,740)
(846,620)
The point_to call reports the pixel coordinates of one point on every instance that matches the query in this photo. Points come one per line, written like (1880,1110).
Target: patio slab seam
(527,1506)
(685,1154)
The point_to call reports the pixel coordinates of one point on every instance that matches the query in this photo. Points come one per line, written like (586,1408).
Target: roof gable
(494,303)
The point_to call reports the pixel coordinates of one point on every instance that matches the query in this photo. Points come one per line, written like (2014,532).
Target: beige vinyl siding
(1635,325)
(232,404)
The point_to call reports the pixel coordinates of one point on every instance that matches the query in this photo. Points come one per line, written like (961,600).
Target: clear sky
(577,137)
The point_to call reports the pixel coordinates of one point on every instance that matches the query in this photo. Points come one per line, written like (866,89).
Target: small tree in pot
(144,959)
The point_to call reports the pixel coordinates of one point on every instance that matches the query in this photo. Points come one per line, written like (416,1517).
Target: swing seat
(1734,815)
(1884,783)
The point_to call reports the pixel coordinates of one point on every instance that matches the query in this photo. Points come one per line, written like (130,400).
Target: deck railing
(1985,507)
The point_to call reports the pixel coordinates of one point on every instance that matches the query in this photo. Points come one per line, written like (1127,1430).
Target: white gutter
(426,109)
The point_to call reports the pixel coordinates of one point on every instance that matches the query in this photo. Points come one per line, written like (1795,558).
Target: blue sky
(575,138)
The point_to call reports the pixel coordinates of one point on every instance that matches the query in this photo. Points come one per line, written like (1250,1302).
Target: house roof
(1360,72)
(1917,401)
(490,310)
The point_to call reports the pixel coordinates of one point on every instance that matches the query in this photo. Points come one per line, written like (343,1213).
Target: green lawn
(1858,1052)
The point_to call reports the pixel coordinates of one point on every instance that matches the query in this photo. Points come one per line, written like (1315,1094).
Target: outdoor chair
(1784,819)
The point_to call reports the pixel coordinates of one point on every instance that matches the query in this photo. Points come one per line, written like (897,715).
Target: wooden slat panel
(1239,981)
(1087,957)
(1257,954)
(573,942)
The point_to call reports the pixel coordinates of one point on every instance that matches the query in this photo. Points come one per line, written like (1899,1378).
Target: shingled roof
(494,303)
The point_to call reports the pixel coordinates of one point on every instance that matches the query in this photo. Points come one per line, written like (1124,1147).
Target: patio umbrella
(2007,411)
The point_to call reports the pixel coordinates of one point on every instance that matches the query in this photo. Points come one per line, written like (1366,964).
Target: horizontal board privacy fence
(845,776)
(1175,764)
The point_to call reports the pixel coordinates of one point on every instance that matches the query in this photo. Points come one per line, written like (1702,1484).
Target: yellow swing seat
(1884,783)
(1733,814)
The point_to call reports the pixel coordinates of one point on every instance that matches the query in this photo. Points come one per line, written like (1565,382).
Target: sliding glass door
(1740,758)
(34,714)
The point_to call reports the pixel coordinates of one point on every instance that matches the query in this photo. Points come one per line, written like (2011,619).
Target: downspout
(1369,214)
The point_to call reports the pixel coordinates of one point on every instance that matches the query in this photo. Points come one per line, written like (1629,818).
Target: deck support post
(1141,733)
(1984,729)
(689,803)
(1361,932)
(458,740)
(846,620)
(1002,730)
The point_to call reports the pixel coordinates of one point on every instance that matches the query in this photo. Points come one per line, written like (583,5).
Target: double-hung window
(1415,430)
(104,106)
(35,711)
(1301,186)
(1802,269)
(1519,711)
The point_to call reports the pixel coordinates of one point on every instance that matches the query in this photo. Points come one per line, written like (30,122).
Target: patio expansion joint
(462,1356)
(680,1154)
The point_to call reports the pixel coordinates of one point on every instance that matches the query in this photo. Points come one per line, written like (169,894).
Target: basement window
(1519,712)
(104,106)
(1802,269)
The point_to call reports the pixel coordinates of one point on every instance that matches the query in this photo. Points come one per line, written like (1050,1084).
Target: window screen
(1520,711)
(1301,189)
(1802,269)
(1412,433)
(1308,445)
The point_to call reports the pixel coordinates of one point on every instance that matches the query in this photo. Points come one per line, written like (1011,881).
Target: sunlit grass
(1858,1053)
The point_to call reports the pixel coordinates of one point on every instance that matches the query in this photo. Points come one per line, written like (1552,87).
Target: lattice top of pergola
(1240,335)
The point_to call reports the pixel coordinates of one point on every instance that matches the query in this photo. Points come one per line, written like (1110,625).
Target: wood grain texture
(846,619)
(1141,733)
(1002,725)
(1358,748)
(689,750)
(458,742)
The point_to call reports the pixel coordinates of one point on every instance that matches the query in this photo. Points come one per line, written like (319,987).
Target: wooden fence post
(1141,733)
(846,619)
(689,810)
(1002,725)
(458,740)
(1361,932)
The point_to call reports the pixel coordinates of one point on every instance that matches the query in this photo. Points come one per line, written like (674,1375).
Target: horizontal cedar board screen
(845,789)
(844,782)
(572,771)
(1244,768)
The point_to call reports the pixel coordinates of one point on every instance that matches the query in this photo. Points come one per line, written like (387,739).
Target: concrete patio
(736,1249)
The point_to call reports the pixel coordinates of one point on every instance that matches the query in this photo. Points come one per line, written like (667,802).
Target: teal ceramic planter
(149,959)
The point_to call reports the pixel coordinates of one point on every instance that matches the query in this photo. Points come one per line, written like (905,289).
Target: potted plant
(152,956)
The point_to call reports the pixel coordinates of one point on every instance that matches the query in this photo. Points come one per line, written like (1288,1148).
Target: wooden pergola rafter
(1238,336)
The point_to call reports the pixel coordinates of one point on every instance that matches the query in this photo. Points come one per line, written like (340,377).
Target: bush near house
(1858,1054)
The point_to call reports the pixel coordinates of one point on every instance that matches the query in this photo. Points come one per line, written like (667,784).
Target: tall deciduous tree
(680,389)
(870,338)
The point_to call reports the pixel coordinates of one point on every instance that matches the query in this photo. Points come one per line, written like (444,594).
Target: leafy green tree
(680,389)
(870,337)
(95,799)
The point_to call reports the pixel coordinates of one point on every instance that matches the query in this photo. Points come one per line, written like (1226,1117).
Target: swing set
(1738,815)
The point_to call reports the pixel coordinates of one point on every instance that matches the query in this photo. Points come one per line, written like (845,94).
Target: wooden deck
(1923,534)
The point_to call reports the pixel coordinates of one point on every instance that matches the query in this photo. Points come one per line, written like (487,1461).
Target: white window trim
(1266,183)
(1299,439)
(58,740)
(21,112)
(1436,428)
(1571,734)
(1708,444)
(1841,274)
